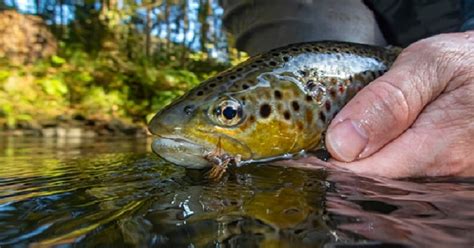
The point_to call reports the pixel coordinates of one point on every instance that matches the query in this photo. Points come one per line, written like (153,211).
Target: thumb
(388,106)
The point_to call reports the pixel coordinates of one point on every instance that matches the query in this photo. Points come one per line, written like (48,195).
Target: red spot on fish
(309,116)
(328,105)
(299,125)
(341,89)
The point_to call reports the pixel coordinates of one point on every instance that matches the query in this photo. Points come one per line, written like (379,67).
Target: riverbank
(76,126)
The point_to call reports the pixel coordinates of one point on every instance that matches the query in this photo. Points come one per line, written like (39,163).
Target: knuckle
(390,108)
(449,54)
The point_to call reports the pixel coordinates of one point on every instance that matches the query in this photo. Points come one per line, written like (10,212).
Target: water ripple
(115,193)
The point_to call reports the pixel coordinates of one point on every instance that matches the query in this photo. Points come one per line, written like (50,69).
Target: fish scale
(272,106)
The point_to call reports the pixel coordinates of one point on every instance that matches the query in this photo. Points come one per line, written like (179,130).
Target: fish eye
(228,112)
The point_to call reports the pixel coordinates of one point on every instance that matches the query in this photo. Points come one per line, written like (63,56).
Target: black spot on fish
(275,54)
(286,58)
(188,109)
(373,75)
(245,86)
(295,105)
(303,73)
(294,49)
(308,49)
(254,65)
(212,85)
(272,63)
(322,116)
(265,110)
(287,115)
(219,77)
(200,93)
(309,98)
(259,61)
(239,69)
(277,94)
(232,77)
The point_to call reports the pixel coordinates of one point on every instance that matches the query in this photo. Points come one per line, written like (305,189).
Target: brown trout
(272,106)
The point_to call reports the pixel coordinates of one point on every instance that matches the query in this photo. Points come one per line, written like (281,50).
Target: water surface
(115,192)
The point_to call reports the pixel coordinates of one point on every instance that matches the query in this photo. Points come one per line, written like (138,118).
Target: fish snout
(171,119)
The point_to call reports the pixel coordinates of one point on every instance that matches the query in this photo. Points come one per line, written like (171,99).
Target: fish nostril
(188,109)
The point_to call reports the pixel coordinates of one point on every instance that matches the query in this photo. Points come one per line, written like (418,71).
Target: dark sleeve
(405,21)
(468,15)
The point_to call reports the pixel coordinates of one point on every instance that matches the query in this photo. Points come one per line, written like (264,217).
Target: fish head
(190,128)
(253,118)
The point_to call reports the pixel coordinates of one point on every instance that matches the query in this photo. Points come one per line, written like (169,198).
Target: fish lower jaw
(285,156)
(181,151)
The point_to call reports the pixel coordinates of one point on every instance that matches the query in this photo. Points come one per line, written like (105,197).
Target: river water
(116,193)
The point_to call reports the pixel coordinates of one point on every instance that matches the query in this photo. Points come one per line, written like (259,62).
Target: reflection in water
(114,192)
(429,212)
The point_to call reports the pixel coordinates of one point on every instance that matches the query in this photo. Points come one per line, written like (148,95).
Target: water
(109,193)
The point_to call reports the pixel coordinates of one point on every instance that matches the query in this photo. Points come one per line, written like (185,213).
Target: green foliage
(4,75)
(102,86)
(53,86)
(56,60)
(112,64)
(99,102)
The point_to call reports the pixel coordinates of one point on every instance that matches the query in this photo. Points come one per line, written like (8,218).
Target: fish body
(272,106)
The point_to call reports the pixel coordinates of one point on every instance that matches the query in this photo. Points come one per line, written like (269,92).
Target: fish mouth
(181,151)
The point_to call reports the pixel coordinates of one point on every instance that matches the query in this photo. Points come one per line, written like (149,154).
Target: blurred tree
(129,55)
(25,38)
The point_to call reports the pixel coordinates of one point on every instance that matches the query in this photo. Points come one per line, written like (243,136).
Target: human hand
(415,120)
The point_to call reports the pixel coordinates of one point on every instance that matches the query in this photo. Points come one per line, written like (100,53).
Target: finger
(438,144)
(389,105)
(425,157)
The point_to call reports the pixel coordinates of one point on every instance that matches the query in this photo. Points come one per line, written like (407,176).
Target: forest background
(106,65)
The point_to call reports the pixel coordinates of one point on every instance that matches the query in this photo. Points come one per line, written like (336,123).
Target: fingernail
(346,140)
